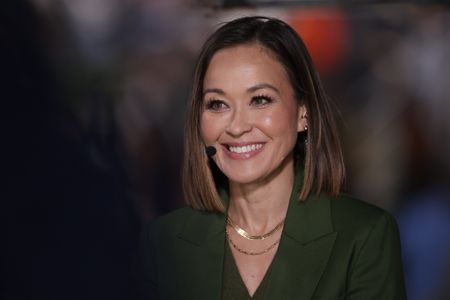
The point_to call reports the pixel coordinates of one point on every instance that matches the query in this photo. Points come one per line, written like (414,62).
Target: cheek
(280,123)
(209,129)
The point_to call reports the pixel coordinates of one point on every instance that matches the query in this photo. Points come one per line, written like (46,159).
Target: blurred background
(94,97)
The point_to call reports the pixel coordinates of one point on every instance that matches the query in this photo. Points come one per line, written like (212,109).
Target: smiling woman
(250,114)
(266,218)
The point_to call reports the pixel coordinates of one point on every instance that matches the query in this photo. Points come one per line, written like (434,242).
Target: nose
(239,123)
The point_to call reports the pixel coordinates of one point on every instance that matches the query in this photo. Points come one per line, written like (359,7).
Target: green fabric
(233,288)
(331,248)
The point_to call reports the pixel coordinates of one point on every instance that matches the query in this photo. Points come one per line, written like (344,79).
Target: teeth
(245,149)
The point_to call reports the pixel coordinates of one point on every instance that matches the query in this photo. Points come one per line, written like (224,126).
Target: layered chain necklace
(248,236)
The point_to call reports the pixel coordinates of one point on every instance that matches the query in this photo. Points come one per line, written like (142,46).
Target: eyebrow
(262,86)
(252,89)
(217,91)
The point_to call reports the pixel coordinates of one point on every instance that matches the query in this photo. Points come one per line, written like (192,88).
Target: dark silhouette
(70,228)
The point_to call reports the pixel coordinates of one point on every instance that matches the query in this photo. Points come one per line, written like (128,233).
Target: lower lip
(242,156)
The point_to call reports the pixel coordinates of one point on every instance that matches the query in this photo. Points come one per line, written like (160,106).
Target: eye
(261,100)
(215,105)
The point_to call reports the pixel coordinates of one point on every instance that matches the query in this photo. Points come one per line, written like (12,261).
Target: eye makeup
(215,105)
(261,100)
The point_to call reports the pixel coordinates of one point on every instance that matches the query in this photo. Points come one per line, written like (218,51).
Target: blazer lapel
(304,250)
(206,234)
(307,242)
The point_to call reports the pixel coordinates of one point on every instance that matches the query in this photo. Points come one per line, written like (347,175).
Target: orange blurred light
(326,34)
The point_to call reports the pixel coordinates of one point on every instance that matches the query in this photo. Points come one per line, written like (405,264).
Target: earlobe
(302,123)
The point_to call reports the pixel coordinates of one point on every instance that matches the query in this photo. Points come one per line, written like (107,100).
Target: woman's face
(250,114)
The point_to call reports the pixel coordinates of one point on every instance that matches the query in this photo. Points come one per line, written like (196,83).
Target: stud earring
(306,139)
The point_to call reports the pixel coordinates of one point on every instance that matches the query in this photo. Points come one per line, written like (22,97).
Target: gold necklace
(248,236)
(248,252)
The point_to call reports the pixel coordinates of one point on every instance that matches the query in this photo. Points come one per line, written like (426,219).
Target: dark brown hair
(321,155)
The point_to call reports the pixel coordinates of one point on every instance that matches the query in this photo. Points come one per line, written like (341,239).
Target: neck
(260,206)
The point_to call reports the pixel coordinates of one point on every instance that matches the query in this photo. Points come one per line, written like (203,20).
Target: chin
(244,180)
(243,177)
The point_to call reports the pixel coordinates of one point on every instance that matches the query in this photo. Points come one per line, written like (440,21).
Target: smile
(242,151)
(245,149)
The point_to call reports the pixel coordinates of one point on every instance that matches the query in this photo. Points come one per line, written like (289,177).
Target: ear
(302,118)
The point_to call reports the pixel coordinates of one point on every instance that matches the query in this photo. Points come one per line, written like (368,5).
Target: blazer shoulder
(173,224)
(371,235)
(169,224)
(348,211)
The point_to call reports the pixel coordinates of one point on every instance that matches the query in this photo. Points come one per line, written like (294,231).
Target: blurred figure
(424,214)
(71,229)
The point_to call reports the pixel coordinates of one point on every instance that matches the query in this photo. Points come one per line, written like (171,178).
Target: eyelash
(262,97)
(212,104)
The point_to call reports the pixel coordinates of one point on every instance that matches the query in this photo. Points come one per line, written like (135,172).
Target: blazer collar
(205,225)
(302,256)
(305,221)
(309,219)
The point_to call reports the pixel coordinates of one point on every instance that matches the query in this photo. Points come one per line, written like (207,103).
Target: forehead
(245,65)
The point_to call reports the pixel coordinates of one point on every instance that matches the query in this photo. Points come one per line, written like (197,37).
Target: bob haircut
(319,149)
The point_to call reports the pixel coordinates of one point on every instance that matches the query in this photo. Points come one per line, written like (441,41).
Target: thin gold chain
(248,252)
(248,236)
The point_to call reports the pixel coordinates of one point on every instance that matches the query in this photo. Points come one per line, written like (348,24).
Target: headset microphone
(210,151)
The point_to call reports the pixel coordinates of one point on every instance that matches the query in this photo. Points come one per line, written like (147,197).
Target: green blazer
(331,248)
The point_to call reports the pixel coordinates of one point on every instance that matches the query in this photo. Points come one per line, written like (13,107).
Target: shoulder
(169,224)
(350,214)
(365,260)
(368,239)
(346,209)
(175,223)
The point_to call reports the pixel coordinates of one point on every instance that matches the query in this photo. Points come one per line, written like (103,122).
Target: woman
(266,219)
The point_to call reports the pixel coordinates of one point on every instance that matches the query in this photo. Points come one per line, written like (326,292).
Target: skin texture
(248,100)
(239,117)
